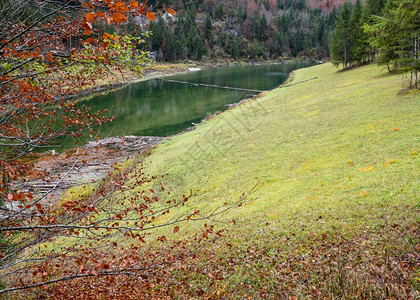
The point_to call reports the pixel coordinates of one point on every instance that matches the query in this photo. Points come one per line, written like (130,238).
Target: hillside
(336,213)
(328,165)
(242,29)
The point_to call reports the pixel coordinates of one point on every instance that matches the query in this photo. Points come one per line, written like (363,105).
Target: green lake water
(159,108)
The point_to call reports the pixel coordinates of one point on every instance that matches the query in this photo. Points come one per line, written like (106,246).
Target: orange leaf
(171,11)
(150,16)
(134,4)
(109,36)
(49,56)
(90,16)
(88,28)
(176,229)
(101,14)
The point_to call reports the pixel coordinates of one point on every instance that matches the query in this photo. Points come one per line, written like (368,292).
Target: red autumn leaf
(162,238)
(38,206)
(150,16)
(176,229)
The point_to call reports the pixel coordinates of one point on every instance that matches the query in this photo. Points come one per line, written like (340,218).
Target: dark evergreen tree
(208,31)
(375,7)
(396,36)
(220,11)
(282,23)
(256,50)
(256,26)
(235,48)
(357,46)
(332,17)
(263,30)
(341,39)
(157,29)
(240,15)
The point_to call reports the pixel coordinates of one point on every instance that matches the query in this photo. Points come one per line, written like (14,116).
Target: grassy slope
(338,205)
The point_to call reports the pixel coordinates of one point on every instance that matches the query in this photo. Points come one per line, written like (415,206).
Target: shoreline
(160,70)
(99,156)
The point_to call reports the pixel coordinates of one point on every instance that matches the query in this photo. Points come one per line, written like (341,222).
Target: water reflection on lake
(159,108)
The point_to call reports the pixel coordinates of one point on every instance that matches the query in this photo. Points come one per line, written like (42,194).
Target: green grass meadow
(336,212)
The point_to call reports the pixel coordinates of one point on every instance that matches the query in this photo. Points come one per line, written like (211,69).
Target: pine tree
(396,36)
(208,31)
(375,7)
(264,31)
(220,11)
(365,50)
(235,48)
(157,29)
(357,52)
(341,40)
(256,26)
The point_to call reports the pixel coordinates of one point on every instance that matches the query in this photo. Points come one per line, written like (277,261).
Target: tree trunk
(415,61)
(345,56)
(411,80)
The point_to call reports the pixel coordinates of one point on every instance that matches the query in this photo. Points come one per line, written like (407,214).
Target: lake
(160,108)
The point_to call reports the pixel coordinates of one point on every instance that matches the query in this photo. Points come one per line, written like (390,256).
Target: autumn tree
(50,50)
